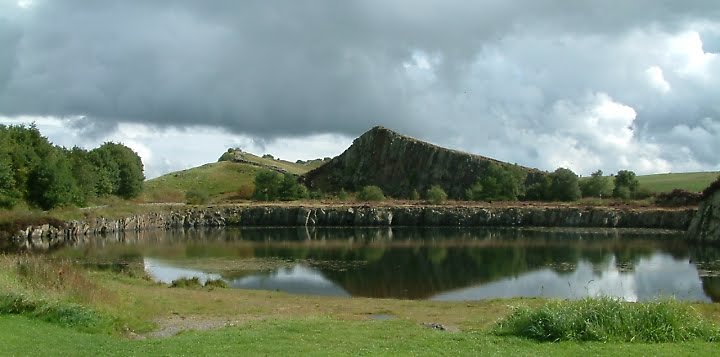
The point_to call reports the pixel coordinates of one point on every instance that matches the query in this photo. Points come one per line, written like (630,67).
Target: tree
(52,185)
(539,190)
(119,170)
(496,183)
(626,184)
(436,195)
(596,185)
(267,185)
(564,185)
(291,189)
(9,195)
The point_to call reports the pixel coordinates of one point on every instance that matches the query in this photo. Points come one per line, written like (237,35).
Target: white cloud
(657,79)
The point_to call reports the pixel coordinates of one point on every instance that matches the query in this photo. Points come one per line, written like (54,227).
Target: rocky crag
(705,226)
(47,236)
(398,164)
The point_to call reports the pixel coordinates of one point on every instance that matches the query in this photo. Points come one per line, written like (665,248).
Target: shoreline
(47,236)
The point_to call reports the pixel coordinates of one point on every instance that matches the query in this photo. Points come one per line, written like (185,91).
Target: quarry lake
(432,264)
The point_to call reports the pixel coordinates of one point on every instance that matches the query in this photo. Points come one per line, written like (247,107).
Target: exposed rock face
(47,237)
(398,164)
(706,224)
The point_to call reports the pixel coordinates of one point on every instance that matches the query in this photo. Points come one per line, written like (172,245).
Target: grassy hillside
(225,180)
(691,181)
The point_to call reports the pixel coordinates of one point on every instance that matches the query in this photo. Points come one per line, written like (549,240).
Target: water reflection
(460,264)
(658,275)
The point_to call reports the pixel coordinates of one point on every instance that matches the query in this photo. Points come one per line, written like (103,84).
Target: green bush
(371,193)
(608,319)
(436,195)
(197,196)
(342,195)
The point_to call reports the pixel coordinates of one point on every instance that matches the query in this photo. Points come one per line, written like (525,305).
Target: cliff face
(47,237)
(705,226)
(398,164)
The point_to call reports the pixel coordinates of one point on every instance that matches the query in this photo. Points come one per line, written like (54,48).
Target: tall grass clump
(609,319)
(58,312)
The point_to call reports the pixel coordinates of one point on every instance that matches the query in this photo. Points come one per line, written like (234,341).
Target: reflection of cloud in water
(295,280)
(166,273)
(658,275)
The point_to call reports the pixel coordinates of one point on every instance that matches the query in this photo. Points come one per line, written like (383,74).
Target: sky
(581,84)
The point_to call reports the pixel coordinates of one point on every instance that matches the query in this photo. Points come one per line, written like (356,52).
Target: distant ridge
(398,164)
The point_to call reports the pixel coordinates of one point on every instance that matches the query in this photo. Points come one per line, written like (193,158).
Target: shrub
(436,195)
(677,198)
(371,193)
(216,283)
(608,319)
(197,196)
(245,192)
(193,282)
(342,195)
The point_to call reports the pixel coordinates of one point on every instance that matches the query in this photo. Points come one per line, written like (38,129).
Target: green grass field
(690,181)
(312,337)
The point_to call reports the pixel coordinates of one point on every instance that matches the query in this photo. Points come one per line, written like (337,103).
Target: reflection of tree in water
(420,262)
(711,287)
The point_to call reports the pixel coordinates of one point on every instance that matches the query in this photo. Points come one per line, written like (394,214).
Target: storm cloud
(547,83)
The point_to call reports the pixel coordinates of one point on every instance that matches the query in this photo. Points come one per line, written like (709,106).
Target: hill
(690,181)
(229,179)
(399,164)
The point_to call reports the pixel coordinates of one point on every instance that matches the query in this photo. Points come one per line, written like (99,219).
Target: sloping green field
(690,181)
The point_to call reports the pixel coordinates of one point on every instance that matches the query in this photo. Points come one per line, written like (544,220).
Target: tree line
(496,183)
(36,172)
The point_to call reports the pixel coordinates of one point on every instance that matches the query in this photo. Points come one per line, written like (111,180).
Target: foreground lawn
(320,336)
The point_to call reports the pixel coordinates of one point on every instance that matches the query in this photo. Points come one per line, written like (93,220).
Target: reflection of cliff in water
(417,263)
(421,272)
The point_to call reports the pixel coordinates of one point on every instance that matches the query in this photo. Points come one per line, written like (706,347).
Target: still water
(433,264)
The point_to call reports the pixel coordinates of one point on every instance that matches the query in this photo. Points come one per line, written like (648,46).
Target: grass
(690,181)
(220,181)
(55,307)
(608,319)
(314,337)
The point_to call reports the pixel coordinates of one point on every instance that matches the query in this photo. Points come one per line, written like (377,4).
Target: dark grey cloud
(462,73)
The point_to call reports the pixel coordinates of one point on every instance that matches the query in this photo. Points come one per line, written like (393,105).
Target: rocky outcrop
(398,164)
(47,237)
(706,224)
(238,156)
